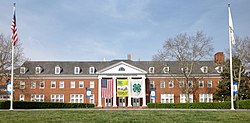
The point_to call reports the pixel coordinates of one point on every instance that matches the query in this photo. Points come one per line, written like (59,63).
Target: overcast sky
(89,30)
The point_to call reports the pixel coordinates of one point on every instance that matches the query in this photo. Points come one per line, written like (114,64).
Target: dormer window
(219,69)
(151,69)
(184,70)
(91,70)
(38,70)
(23,70)
(204,69)
(121,69)
(76,70)
(166,70)
(57,69)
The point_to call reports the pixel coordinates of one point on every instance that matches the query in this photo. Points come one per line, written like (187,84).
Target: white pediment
(121,68)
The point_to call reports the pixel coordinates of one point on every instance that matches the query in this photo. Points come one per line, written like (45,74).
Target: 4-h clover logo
(137,88)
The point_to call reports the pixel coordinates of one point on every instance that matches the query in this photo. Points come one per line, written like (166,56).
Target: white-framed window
(219,69)
(201,84)
(57,98)
(53,84)
(209,83)
(37,98)
(91,70)
(181,84)
(21,84)
(42,84)
(92,99)
(185,70)
(76,70)
(33,85)
(206,97)
(23,70)
(152,100)
(162,84)
(190,83)
(81,84)
(72,84)
(57,69)
(171,84)
(38,70)
(61,84)
(76,98)
(183,98)
(152,84)
(151,69)
(204,69)
(92,84)
(21,97)
(166,70)
(167,98)
(121,69)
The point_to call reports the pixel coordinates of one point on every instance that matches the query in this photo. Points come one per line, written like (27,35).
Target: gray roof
(68,66)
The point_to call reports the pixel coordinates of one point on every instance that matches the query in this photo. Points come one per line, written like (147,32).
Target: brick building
(133,83)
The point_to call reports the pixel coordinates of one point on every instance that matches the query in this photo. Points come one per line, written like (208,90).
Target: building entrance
(122,101)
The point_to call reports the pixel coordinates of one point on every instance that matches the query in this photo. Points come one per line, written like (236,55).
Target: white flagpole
(12,68)
(231,38)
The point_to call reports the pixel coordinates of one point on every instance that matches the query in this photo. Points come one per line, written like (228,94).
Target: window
(92,99)
(166,70)
(37,98)
(121,69)
(57,98)
(167,98)
(91,70)
(152,100)
(181,84)
(209,83)
(76,98)
(33,85)
(171,84)
(21,97)
(162,84)
(190,83)
(61,84)
(76,70)
(201,84)
(92,84)
(57,69)
(152,84)
(219,69)
(38,70)
(204,69)
(183,98)
(184,70)
(42,84)
(53,84)
(72,84)
(21,85)
(206,97)
(22,70)
(81,84)
(151,69)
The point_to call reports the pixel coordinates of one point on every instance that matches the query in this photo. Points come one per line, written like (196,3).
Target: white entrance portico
(128,85)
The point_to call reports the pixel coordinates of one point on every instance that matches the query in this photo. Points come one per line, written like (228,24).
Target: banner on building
(8,87)
(122,87)
(152,94)
(136,88)
(107,88)
(235,87)
(88,91)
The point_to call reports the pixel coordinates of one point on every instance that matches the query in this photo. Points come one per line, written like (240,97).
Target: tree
(5,57)
(187,50)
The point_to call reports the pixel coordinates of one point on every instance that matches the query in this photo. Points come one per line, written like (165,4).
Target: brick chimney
(129,56)
(219,57)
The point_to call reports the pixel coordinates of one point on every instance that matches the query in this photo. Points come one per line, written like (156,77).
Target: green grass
(102,116)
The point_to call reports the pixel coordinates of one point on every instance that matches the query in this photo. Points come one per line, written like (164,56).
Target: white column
(114,91)
(129,92)
(144,92)
(99,92)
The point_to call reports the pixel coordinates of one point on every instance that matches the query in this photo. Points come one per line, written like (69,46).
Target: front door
(136,102)
(108,102)
(122,101)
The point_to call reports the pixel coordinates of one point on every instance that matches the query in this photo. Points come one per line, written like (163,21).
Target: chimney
(219,57)
(129,56)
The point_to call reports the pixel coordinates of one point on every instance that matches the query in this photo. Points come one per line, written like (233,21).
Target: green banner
(122,87)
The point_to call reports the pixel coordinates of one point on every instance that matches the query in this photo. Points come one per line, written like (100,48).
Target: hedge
(244,104)
(42,105)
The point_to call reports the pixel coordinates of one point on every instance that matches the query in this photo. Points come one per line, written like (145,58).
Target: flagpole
(231,61)
(12,67)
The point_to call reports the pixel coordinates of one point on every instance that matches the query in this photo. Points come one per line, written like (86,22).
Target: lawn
(100,116)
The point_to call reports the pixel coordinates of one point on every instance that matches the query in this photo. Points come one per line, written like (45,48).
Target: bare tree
(187,50)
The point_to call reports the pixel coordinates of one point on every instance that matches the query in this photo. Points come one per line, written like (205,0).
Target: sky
(94,30)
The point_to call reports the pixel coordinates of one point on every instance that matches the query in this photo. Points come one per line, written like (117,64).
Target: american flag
(107,88)
(14,28)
